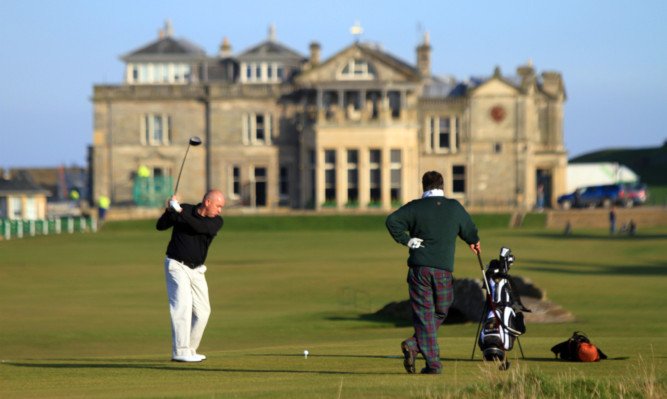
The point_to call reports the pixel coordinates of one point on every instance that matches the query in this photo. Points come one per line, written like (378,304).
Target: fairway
(86,315)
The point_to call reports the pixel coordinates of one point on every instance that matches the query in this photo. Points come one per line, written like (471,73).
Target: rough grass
(85,315)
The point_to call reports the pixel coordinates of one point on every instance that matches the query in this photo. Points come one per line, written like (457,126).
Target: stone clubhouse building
(355,131)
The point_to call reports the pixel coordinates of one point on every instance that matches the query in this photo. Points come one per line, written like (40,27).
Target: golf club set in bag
(502,318)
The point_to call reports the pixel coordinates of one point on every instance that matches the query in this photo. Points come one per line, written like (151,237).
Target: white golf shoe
(188,358)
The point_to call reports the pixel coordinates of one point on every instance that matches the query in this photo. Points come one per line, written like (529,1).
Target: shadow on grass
(372,317)
(600,237)
(148,365)
(454,317)
(573,267)
(133,364)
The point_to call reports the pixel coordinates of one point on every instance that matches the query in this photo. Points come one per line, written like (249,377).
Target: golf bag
(501,329)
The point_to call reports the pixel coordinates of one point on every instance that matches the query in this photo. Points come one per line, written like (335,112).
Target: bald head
(212,203)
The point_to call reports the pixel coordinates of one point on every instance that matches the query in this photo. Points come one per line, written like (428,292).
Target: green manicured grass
(657,195)
(86,315)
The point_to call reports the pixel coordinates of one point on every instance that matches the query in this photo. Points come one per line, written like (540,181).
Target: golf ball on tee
(305,354)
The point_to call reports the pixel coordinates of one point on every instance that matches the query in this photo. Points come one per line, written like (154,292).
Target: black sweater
(191,235)
(436,220)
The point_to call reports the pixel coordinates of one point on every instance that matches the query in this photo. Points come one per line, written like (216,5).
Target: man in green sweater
(429,227)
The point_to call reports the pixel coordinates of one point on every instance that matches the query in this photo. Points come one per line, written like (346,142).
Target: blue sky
(612,55)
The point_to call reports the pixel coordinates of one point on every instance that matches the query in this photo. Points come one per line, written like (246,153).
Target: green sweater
(436,220)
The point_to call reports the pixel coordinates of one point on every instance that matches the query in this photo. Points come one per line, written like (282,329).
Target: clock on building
(498,113)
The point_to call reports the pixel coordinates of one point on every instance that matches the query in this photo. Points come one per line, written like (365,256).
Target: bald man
(194,227)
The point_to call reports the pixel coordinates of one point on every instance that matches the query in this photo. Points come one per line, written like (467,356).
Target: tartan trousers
(431,294)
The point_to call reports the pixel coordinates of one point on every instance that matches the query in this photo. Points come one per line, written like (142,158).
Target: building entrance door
(260,186)
(544,187)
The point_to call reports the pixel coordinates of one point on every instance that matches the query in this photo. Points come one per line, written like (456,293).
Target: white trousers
(188,304)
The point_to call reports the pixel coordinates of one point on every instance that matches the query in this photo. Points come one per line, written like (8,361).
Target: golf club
(506,364)
(194,141)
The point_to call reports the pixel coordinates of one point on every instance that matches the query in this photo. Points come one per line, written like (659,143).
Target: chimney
(225,48)
(168,30)
(552,83)
(314,54)
(424,57)
(527,75)
(272,33)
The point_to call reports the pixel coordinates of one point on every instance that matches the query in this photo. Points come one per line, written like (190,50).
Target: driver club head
(195,141)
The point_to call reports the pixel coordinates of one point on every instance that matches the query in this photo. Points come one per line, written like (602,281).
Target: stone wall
(642,216)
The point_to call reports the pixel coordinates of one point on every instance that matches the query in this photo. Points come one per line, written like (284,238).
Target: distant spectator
(540,197)
(633,228)
(103,206)
(568,228)
(143,171)
(612,220)
(74,195)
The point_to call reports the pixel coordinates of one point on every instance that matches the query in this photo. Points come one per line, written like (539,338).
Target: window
(30,208)
(358,69)
(158,73)
(17,207)
(394,103)
(444,134)
(352,177)
(329,176)
(236,181)
(262,72)
(375,176)
(312,158)
(143,74)
(395,174)
(459,179)
(497,148)
(257,128)
(283,183)
(352,98)
(155,129)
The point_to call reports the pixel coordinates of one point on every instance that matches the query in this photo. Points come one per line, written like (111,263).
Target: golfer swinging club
(194,227)
(429,227)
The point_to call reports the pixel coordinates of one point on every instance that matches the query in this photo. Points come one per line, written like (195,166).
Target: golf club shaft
(178,180)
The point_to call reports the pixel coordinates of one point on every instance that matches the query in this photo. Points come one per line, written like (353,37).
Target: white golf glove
(175,205)
(415,243)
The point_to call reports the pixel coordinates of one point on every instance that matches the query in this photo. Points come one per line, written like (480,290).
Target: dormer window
(262,72)
(358,69)
(158,73)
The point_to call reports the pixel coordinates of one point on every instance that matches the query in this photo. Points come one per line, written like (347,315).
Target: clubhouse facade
(352,132)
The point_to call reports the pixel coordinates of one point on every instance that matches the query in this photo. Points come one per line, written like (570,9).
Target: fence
(16,228)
